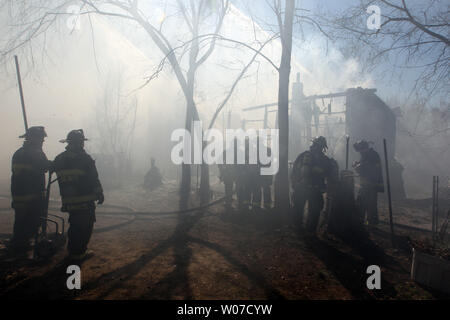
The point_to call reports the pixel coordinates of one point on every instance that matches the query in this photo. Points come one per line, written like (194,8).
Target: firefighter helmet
(361,145)
(319,143)
(74,136)
(36,132)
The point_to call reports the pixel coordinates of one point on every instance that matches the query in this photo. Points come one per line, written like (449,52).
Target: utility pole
(22,101)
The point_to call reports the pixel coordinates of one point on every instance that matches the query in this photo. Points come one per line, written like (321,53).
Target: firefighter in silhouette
(371,181)
(266,182)
(311,172)
(227,173)
(29,164)
(243,176)
(254,185)
(261,183)
(79,187)
(248,178)
(254,178)
(153,178)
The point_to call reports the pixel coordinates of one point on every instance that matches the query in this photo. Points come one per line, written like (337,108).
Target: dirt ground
(217,254)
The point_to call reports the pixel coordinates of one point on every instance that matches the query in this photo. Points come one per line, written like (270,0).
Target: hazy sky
(390,82)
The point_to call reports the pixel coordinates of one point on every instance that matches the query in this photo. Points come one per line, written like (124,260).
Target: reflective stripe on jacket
(28,167)
(77,177)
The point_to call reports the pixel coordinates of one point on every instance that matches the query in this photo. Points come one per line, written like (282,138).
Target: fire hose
(127,211)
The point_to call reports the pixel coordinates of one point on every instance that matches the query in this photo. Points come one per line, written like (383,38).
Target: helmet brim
(24,136)
(37,132)
(67,141)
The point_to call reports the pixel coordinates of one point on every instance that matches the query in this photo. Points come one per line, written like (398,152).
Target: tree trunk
(205,191)
(282,178)
(185,185)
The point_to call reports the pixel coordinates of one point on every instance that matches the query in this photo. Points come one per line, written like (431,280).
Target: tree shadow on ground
(255,278)
(350,270)
(258,218)
(176,283)
(52,284)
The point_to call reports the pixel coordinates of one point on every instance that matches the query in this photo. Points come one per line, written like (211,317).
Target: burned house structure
(368,117)
(357,112)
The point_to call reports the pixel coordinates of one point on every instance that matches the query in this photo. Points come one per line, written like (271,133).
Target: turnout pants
(256,196)
(26,226)
(228,192)
(267,192)
(315,201)
(80,230)
(243,194)
(368,204)
(259,192)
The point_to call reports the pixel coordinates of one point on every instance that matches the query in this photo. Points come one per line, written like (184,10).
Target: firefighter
(266,183)
(311,173)
(247,180)
(254,185)
(243,176)
(29,164)
(153,178)
(261,184)
(227,176)
(371,181)
(79,187)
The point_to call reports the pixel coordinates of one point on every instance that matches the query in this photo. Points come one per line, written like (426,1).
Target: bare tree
(204,184)
(257,52)
(115,122)
(35,18)
(284,13)
(286,27)
(412,36)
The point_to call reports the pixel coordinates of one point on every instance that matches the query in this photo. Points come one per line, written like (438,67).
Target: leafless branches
(413,37)
(35,18)
(238,78)
(115,116)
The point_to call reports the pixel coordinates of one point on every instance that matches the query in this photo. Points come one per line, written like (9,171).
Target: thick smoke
(84,70)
